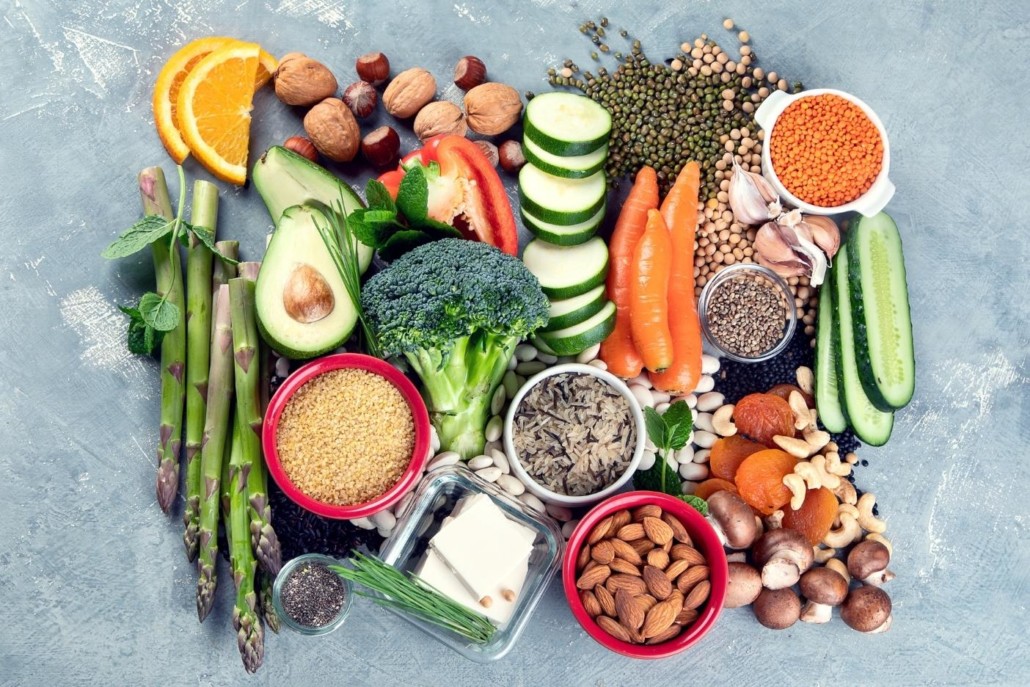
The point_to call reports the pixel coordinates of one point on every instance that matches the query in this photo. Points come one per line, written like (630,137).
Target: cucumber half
(566,124)
(558,200)
(879,304)
(577,338)
(575,167)
(567,271)
(570,235)
(871,425)
(827,396)
(570,311)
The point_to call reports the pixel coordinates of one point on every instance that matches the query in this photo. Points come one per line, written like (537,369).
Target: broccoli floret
(455,310)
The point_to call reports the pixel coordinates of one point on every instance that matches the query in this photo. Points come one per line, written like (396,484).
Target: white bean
(403,504)
(442,459)
(511,484)
(704,421)
(670,460)
(589,354)
(710,401)
(384,532)
(489,474)
(695,472)
(500,460)
(566,359)
(737,557)
(691,400)
(643,394)
(660,396)
(532,501)
(559,512)
(568,528)
(704,439)
(547,358)
(693,414)
(480,462)
(494,428)
(599,364)
(498,401)
(531,368)
(685,454)
(703,455)
(706,383)
(384,520)
(642,379)
(363,523)
(525,352)
(646,460)
(661,408)
(689,487)
(490,447)
(649,445)
(512,362)
(282,367)
(709,364)
(519,380)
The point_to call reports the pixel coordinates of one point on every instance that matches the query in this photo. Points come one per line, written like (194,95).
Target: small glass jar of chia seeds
(747,313)
(309,597)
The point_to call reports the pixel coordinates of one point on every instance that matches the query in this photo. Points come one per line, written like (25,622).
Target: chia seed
(313,595)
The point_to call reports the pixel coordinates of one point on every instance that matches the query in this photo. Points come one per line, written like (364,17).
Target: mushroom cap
(734,517)
(777,609)
(745,584)
(866,609)
(824,586)
(784,543)
(868,557)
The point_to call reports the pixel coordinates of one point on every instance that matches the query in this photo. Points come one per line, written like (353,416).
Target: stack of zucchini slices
(562,193)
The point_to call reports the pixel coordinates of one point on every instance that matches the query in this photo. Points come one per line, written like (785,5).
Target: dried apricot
(760,479)
(763,416)
(815,517)
(783,391)
(728,453)
(712,485)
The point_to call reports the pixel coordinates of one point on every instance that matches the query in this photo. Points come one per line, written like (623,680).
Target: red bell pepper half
(467,193)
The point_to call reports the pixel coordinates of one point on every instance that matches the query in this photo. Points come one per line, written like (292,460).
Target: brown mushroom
(745,584)
(867,609)
(823,588)
(733,520)
(777,609)
(783,554)
(868,562)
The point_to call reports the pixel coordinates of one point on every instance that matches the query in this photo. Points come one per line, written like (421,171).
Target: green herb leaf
(413,195)
(138,236)
(680,423)
(141,339)
(655,427)
(696,502)
(207,237)
(373,227)
(378,197)
(660,477)
(439,230)
(158,313)
(401,242)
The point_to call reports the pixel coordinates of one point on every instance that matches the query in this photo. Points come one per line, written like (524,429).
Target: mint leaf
(138,236)
(379,216)
(401,242)
(439,230)
(680,422)
(696,502)
(373,227)
(378,197)
(655,427)
(141,339)
(207,237)
(158,313)
(413,195)
(660,477)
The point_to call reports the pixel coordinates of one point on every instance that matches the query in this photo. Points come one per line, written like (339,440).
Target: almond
(659,619)
(593,577)
(677,598)
(636,637)
(600,530)
(693,575)
(686,616)
(619,565)
(607,601)
(590,603)
(583,558)
(658,558)
(648,511)
(679,532)
(631,532)
(657,531)
(646,601)
(670,633)
(667,546)
(698,595)
(631,614)
(626,552)
(676,568)
(642,546)
(682,552)
(603,552)
(619,519)
(656,581)
(634,585)
(612,627)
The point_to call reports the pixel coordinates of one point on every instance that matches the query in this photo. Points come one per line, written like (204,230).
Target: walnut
(409,92)
(492,108)
(331,126)
(300,80)
(440,117)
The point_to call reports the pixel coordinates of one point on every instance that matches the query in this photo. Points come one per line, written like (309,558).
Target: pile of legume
(345,437)
(825,150)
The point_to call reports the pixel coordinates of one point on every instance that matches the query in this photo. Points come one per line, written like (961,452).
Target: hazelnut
(490,150)
(333,130)
(301,146)
(409,92)
(440,117)
(469,73)
(492,108)
(361,98)
(380,146)
(373,68)
(510,156)
(300,80)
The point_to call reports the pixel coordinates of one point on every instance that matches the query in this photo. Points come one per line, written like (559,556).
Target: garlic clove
(752,199)
(817,258)
(794,268)
(771,244)
(824,233)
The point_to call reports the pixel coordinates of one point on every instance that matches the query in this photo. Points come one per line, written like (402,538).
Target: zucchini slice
(567,271)
(575,167)
(827,395)
(879,304)
(563,235)
(566,123)
(871,425)
(577,338)
(560,201)
(570,311)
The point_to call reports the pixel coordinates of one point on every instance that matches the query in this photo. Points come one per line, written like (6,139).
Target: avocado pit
(307,296)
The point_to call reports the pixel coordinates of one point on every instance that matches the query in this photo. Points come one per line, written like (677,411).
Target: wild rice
(574,434)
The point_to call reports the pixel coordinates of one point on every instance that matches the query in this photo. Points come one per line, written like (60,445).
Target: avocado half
(303,308)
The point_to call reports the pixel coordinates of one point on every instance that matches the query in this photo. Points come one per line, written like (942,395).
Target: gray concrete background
(94,587)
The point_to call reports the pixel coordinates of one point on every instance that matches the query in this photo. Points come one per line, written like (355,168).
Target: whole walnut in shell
(492,108)
(440,117)
(300,80)
(331,126)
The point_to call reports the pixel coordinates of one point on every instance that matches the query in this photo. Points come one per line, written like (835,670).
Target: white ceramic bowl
(870,202)
(542,492)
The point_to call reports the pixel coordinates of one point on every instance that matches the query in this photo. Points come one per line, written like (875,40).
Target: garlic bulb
(752,199)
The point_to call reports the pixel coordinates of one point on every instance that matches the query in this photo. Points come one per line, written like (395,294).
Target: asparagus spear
(220,391)
(168,271)
(248,406)
(198,348)
(268,613)
(249,632)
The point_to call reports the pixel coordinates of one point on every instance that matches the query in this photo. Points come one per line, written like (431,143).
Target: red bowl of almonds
(645,575)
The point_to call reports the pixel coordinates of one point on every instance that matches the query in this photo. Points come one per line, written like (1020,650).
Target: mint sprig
(669,433)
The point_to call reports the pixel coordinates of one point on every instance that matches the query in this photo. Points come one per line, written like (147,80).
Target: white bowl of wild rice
(575,434)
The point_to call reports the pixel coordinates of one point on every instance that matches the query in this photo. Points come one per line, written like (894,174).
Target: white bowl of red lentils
(825,152)
(346,436)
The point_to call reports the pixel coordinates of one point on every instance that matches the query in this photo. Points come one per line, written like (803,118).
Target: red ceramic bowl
(337,362)
(705,540)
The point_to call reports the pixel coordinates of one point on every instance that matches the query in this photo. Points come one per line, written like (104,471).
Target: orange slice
(214,106)
(266,67)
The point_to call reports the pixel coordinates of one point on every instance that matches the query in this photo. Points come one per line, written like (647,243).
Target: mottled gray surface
(93,582)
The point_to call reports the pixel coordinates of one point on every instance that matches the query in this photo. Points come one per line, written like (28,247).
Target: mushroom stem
(816,613)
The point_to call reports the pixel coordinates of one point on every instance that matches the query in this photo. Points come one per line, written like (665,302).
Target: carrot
(618,351)
(679,209)
(649,294)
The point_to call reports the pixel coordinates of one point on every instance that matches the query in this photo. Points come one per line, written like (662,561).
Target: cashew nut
(846,509)
(806,379)
(822,554)
(846,492)
(835,466)
(802,415)
(831,447)
(873,536)
(868,521)
(774,521)
(816,475)
(816,438)
(722,421)
(851,458)
(798,448)
(840,567)
(842,536)
(796,484)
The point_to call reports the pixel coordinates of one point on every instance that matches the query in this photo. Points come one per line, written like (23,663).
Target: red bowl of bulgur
(346,436)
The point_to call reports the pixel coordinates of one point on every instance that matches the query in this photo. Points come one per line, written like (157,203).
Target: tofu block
(436,573)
